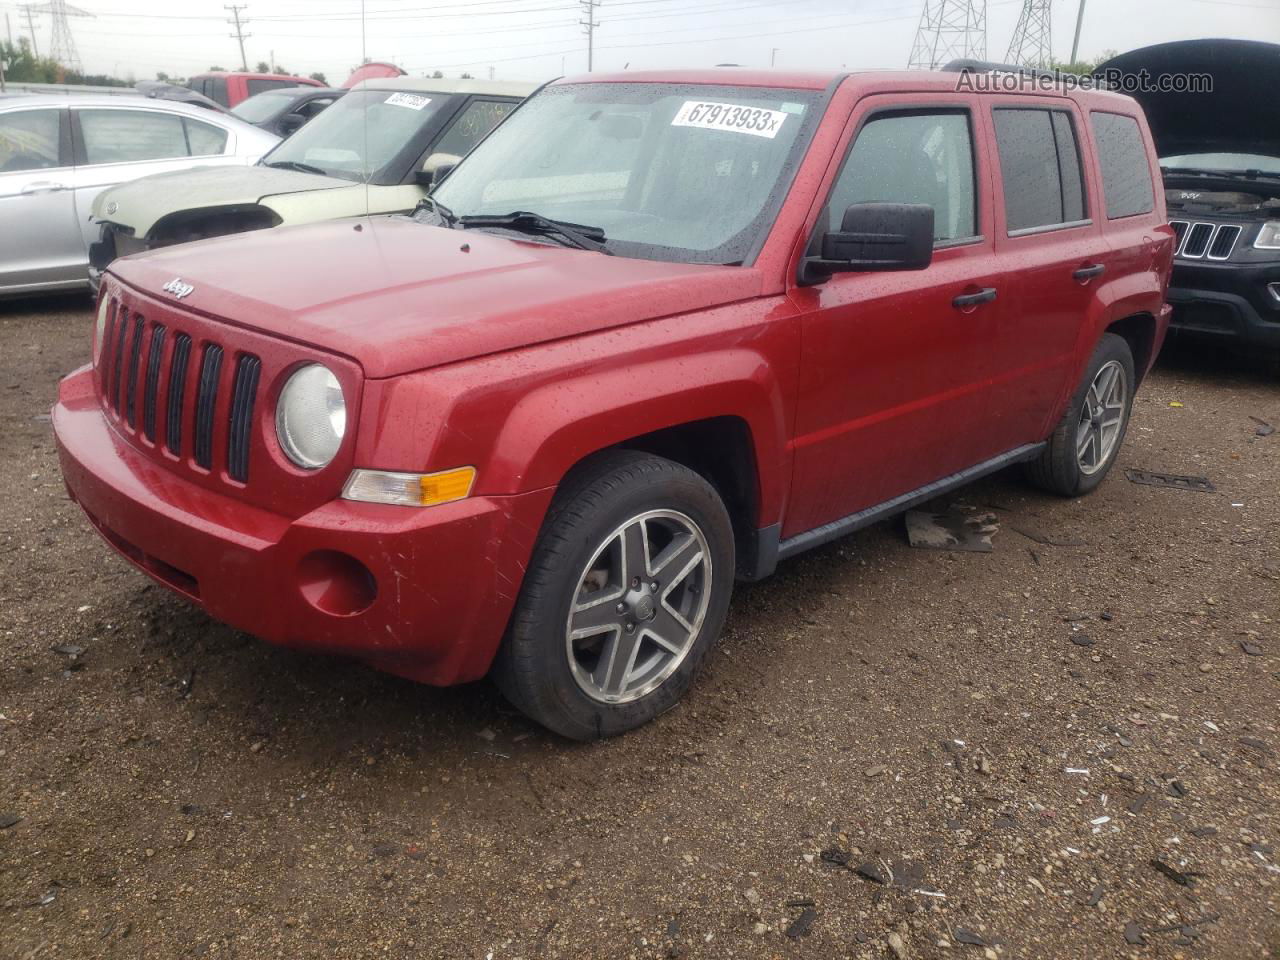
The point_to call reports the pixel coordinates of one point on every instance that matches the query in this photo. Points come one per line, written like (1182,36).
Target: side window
(258,85)
(126,136)
(479,117)
(30,140)
(912,158)
(1126,172)
(314,107)
(216,90)
(1040,167)
(204,139)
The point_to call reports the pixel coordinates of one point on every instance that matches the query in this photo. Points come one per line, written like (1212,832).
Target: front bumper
(1229,300)
(425,593)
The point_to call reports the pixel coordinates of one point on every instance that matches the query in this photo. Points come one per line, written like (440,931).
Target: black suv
(1220,153)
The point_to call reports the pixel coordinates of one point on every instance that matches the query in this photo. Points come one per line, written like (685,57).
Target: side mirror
(876,236)
(290,124)
(435,168)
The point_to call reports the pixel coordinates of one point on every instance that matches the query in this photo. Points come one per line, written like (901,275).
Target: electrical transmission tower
(950,30)
(63,47)
(1032,43)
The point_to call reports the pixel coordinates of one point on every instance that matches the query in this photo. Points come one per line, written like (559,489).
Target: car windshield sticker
(757,121)
(410,100)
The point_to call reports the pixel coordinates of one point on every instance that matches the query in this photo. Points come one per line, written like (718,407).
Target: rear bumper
(425,593)
(1228,300)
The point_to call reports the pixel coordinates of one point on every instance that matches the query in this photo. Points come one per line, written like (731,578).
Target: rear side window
(204,139)
(1126,172)
(124,136)
(479,117)
(258,85)
(912,158)
(1040,167)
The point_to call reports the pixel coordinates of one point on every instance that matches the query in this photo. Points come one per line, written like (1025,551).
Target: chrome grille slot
(1179,234)
(1197,241)
(1224,241)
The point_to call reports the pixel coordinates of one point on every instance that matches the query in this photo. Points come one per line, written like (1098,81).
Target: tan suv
(390,134)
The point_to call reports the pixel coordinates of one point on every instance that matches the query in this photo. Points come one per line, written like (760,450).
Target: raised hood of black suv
(1240,115)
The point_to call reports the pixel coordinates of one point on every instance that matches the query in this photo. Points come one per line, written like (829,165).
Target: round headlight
(311,416)
(100,329)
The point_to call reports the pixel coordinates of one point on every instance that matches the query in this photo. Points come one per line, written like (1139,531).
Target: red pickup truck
(230,89)
(657,332)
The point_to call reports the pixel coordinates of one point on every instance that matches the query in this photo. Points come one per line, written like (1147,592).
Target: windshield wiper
(1250,174)
(295,165)
(579,235)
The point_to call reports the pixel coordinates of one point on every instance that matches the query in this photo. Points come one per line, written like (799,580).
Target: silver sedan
(56,155)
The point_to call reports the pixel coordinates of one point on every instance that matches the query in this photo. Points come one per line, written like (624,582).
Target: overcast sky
(538,39)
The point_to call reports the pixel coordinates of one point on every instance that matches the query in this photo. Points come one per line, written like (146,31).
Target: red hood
(397,296)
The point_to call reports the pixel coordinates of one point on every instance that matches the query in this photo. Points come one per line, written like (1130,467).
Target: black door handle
(1089,272)
(985,295)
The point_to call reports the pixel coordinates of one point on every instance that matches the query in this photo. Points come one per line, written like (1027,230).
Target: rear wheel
(1087,440)
(627,591)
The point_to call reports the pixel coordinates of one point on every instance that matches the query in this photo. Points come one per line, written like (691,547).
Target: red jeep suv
(656,332)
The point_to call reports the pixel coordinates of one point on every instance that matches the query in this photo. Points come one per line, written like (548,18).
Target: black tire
(1058,468)
(533,668)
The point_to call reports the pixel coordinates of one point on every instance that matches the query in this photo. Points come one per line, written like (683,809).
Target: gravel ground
(894,751)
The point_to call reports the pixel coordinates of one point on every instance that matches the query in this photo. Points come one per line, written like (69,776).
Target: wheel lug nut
(622,608)
(630,627)
(635,582)
(654,586)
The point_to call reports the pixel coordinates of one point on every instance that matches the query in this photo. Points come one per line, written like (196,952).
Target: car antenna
(364,59)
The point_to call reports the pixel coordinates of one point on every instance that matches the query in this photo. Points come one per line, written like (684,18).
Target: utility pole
(589,25)
(31,29)
(773,55)
(239,34)
(1075,44)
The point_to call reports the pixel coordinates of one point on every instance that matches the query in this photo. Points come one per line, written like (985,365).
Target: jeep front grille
(138,355)
(1201,240)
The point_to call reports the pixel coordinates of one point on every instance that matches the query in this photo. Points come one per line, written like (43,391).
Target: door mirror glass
(291,123)
(435,168)
(879,236)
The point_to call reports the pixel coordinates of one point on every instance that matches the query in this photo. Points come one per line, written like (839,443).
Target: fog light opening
(336,583)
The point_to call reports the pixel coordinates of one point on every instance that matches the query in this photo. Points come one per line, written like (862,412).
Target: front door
(893,389)
(40,245)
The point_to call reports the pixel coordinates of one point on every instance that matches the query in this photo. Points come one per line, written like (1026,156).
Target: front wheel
(626,593)
(1086,442)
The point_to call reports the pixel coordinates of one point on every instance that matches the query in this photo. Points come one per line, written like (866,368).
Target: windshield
(1222,161)
(335,140)
(689,173)
(263,106)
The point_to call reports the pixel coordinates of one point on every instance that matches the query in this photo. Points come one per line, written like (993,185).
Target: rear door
(893,392)
(115,144)
(1047,229)
(40,241)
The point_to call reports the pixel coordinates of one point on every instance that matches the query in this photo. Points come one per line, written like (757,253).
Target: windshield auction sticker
(757,121)
(410,100)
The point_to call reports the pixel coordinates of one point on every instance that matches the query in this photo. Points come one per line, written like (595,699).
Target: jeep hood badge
(178,288)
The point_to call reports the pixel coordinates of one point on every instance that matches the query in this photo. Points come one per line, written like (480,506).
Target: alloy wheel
(1102,418)
(638,607)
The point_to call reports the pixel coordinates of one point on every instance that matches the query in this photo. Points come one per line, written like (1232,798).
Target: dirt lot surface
(1066,747)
